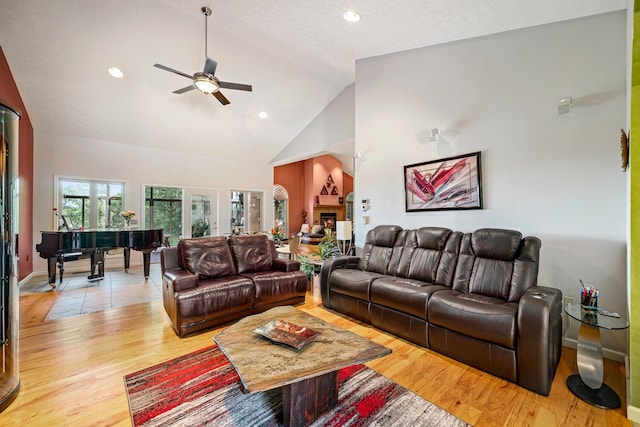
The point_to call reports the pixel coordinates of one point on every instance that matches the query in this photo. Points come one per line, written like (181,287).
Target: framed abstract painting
(444,184)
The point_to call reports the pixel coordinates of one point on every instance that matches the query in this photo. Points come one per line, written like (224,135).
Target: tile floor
(77,295)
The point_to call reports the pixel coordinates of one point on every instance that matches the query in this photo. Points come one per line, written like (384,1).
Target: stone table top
(263,365)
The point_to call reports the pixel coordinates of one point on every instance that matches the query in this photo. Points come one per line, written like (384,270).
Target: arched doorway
(280,208)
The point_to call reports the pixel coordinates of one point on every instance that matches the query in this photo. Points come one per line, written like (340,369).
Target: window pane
(163,209)
(91,204)
(200,215)
(76,202)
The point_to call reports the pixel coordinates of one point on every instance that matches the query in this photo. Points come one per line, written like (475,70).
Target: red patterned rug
(203,389)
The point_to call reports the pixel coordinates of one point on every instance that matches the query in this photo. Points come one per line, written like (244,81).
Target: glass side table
(589,385)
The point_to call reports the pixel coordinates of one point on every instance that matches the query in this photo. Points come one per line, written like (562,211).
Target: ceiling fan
(206,81)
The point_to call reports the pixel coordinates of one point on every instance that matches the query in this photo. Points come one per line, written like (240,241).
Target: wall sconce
(565,105)
(434,134)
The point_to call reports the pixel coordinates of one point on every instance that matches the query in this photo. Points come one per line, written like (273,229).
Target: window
(163,209)
(90,204)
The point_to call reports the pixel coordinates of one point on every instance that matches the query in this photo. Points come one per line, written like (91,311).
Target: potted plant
(307,267)
(328,246)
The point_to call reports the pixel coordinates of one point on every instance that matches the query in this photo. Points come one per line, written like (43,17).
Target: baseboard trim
(607,353)
(633,413)
(27,278)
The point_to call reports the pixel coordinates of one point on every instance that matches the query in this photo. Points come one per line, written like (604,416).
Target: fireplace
(328,219)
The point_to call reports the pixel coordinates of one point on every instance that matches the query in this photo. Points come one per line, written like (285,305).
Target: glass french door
(201,208)
(246,211)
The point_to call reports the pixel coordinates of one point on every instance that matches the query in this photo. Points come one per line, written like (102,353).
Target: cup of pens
(588,297)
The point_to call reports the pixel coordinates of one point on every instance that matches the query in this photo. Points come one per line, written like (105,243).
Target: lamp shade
(343,230)
(204,83)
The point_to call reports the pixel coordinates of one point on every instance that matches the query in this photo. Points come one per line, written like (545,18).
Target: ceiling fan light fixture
(205,84)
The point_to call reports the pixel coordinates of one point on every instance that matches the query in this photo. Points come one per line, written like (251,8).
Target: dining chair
(294,243)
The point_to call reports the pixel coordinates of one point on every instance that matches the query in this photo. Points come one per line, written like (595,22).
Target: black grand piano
(60,246)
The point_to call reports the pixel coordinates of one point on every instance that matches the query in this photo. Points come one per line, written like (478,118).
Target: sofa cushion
(491,277)
(352,282)
(496,243)
(251,253)
(272,286)
(379,249)
(206,257)
(426,253)
(482,317)
(404,295)
(216,298)
(497,263)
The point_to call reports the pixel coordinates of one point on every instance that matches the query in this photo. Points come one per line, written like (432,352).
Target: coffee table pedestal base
(304,401)
(603,397)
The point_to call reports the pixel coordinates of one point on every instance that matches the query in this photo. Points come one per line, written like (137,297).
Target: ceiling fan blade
(184,89)
(210,66)
(171,70)
(236,86)
(223,100)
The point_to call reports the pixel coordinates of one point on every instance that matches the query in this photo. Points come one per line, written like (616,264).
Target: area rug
(203,389)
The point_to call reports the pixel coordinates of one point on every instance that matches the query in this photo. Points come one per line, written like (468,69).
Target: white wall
(554,176)
(67,156)
(331,131)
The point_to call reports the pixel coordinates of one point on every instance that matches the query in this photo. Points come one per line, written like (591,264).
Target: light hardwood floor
(72,368)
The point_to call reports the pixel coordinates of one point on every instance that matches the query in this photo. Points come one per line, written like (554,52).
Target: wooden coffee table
(309,376)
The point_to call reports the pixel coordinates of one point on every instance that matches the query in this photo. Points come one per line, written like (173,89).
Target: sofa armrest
(282,264)
(329,265)
(539,337)
(173,281)
(169,259)
(180,279)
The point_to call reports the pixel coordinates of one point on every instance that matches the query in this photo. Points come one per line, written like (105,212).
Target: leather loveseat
(472,297)
(213,280)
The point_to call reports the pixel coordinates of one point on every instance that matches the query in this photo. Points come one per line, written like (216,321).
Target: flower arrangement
(127,215)
(277,231)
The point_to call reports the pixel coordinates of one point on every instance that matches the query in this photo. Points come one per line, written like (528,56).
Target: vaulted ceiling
(298,55)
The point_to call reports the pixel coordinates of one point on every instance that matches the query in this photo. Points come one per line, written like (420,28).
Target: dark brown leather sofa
(213,280)
(473,297)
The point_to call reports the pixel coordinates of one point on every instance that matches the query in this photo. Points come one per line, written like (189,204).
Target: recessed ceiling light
(116,72)
(351,16)
(263,114)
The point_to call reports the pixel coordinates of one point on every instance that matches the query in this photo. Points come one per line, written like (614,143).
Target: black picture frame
(452,183)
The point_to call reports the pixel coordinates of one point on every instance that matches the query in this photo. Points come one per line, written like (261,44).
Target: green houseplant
(328,246)
(306,267)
